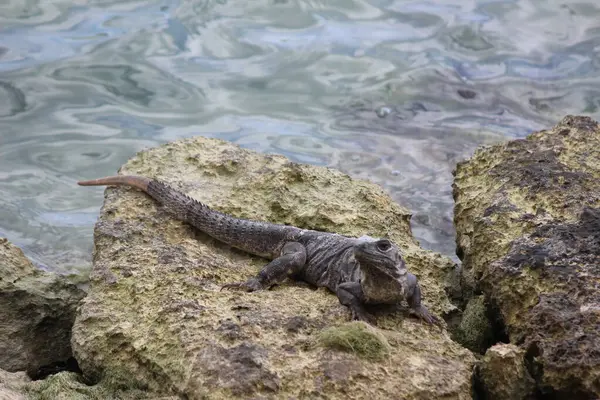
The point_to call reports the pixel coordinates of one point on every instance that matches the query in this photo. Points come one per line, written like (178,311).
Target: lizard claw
(426,316)
(251,285)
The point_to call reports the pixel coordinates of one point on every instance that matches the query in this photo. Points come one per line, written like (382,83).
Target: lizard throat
(382,286)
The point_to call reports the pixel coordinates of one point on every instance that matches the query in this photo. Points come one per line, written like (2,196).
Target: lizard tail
(139,182)
(259,238)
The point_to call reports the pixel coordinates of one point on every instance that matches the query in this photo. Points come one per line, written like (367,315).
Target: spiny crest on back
(157,187)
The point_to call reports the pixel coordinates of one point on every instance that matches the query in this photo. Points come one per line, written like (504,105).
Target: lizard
(360,271)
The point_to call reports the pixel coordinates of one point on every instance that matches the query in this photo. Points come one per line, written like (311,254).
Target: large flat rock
(528,222)
(37,310)
(155,316)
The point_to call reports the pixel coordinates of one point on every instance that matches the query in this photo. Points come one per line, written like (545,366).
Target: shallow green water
(393,91)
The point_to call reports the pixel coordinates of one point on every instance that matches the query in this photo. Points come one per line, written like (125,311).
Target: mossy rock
(358,338)
(475,330)
(155,312)
(68,386)
(528,230)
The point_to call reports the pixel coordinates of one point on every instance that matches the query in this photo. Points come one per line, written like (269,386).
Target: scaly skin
(358,271)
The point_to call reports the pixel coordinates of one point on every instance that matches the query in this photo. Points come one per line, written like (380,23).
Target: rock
(504,375)
(528,231)
(37,310)
(475,331)
(65,386)
(12,385)
(155,316)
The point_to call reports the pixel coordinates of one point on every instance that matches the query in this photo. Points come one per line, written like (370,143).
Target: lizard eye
(384,245)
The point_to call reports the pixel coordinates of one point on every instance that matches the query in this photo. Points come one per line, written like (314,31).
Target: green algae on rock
(475,330)
(155,316)
(358,338)
(37,310)
(528,230)
(66,386)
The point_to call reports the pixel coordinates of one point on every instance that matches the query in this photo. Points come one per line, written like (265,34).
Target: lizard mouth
(390,272)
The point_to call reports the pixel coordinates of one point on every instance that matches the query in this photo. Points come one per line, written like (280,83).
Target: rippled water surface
(393,91)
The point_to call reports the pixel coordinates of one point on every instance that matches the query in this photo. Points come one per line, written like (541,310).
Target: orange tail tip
(139,182)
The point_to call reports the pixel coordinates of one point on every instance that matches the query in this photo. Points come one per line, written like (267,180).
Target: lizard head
(381,255)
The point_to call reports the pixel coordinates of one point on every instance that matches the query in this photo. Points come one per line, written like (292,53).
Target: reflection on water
(388,90)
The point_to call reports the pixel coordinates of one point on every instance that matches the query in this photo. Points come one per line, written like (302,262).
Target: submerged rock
(528,230)
(37,310)
(155,316)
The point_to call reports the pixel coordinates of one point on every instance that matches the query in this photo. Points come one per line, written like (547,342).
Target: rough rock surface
(528,223)
(65,386)
(12,385)
(155,316)
(475,331)
(504,375)
(37,310)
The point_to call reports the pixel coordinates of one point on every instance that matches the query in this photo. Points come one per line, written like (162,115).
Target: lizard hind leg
(290,261)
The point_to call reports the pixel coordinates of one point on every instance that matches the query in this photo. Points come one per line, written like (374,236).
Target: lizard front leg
(413,297)
(351,295)
(291,260)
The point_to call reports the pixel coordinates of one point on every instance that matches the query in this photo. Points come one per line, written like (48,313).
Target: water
(393,91)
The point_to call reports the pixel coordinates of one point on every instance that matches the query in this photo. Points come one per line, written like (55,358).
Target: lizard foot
(361,315)
(424,314)
(251,285)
